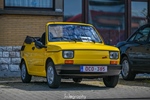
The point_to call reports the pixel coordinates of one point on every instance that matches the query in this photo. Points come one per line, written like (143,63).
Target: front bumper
(74,71)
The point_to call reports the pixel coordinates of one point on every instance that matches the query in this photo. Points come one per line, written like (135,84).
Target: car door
(38,56)
(147,49)
(139,50)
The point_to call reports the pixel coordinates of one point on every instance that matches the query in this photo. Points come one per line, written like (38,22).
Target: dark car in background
(135,53)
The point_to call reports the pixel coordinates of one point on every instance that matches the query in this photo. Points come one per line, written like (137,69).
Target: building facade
(19,18)
(115,20)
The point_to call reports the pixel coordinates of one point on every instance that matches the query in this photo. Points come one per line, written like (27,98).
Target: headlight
(113,55)
(68,54)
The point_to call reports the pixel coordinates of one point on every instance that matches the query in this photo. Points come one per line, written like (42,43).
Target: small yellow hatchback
(69,50)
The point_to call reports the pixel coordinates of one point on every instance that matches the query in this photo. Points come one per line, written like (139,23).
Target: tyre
(77,80)
(25,77)
(53,80)
(126,72)
(111,81)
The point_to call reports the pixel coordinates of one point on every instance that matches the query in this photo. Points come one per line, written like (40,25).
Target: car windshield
(75,33)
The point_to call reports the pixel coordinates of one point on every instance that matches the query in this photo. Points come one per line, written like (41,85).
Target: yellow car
(69,50)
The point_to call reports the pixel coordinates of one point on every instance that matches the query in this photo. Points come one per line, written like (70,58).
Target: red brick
(14,28)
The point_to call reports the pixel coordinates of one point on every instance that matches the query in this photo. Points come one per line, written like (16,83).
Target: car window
(73,32)
(141,35)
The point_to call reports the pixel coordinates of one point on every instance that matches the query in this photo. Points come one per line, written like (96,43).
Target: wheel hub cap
(50,74)
(23,72)
(125,68)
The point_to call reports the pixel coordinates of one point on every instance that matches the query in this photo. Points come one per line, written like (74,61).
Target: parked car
(135,53)
(69,50)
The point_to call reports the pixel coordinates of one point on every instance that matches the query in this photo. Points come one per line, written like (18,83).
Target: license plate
(93,68)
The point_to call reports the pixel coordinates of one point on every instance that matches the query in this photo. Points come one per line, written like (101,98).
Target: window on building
(108,17)
(73,10)
(138,14)
(29,3)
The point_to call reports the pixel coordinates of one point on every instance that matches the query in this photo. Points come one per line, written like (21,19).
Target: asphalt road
(14,89)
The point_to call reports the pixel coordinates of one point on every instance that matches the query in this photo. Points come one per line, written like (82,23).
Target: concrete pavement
(14,89)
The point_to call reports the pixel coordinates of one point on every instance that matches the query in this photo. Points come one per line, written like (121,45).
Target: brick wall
(15,25)
(1,4)
(14,28)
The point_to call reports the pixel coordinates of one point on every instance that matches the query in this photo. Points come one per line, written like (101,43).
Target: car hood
(120,44)
(56,46)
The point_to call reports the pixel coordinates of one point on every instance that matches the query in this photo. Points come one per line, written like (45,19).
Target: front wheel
(25,77)
(111,81)
(53,80)
(126,72)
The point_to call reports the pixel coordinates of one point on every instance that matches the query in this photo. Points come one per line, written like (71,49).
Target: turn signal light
(68,61)
(113,62)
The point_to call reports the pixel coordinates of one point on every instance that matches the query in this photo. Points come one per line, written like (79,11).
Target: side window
(141,35)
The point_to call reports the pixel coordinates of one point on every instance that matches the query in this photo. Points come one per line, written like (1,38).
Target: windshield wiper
(61,38)
(93,41)
(75,39)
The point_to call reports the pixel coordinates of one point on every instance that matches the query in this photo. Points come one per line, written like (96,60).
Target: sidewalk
(14,89)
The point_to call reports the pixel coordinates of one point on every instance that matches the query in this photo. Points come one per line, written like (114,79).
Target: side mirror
(39,44)
(29,40)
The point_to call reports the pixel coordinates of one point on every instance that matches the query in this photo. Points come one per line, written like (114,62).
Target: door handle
(33,48)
